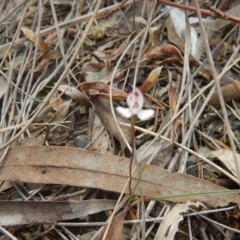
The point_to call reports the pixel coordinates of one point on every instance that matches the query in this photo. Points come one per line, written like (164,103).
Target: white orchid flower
(135,100)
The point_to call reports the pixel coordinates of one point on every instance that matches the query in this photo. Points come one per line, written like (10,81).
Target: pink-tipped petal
(124,112)
(135,100)
(145,114)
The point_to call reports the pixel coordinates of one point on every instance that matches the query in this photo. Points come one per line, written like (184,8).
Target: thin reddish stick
(203,11)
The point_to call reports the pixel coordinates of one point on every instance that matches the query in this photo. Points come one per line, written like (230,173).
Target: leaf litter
(66,67)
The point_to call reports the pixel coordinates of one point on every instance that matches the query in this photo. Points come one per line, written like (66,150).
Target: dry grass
(49,49)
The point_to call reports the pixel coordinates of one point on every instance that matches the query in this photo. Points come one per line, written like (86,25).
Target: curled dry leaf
(166,49)
(94,66)
(45,58)
(177,17)
(226,157)
(71,32)
(54,54)
(78,167)
(100,138)
(173,37)
(61,112)
(30,35)
(116,226)
(56,101)
(236,84)
(143,21)
(138,19)
(95,69)
(102,106)
(76,95)
(229,92)
(41,65)
(102,89)
(51,38)
(100,30)
(151,79)
(170,225)
(117,76)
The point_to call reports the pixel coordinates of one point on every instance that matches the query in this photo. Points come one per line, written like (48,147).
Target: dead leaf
(236,107)
(51,38)
(55,54)
(40,65)
(226,157)
(217,24)
(94,66)
(160,153)
(169,226)
(173,36)
(76,95)
(229,92)
(30,212)
(100,137)
(117,76)
(236,84)
(103,109)
(78,167)
(99,31)
(151,79)
(30,35)
(220,23)
(120,49)
(116,227)
(61,112)
(71,32)
(166,49)
(96,69)
(141,20)
(56,101)
(102,89)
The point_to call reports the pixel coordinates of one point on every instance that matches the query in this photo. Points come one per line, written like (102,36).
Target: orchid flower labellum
(135,100)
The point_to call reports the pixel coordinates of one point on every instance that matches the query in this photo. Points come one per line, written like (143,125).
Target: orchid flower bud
(135,100)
